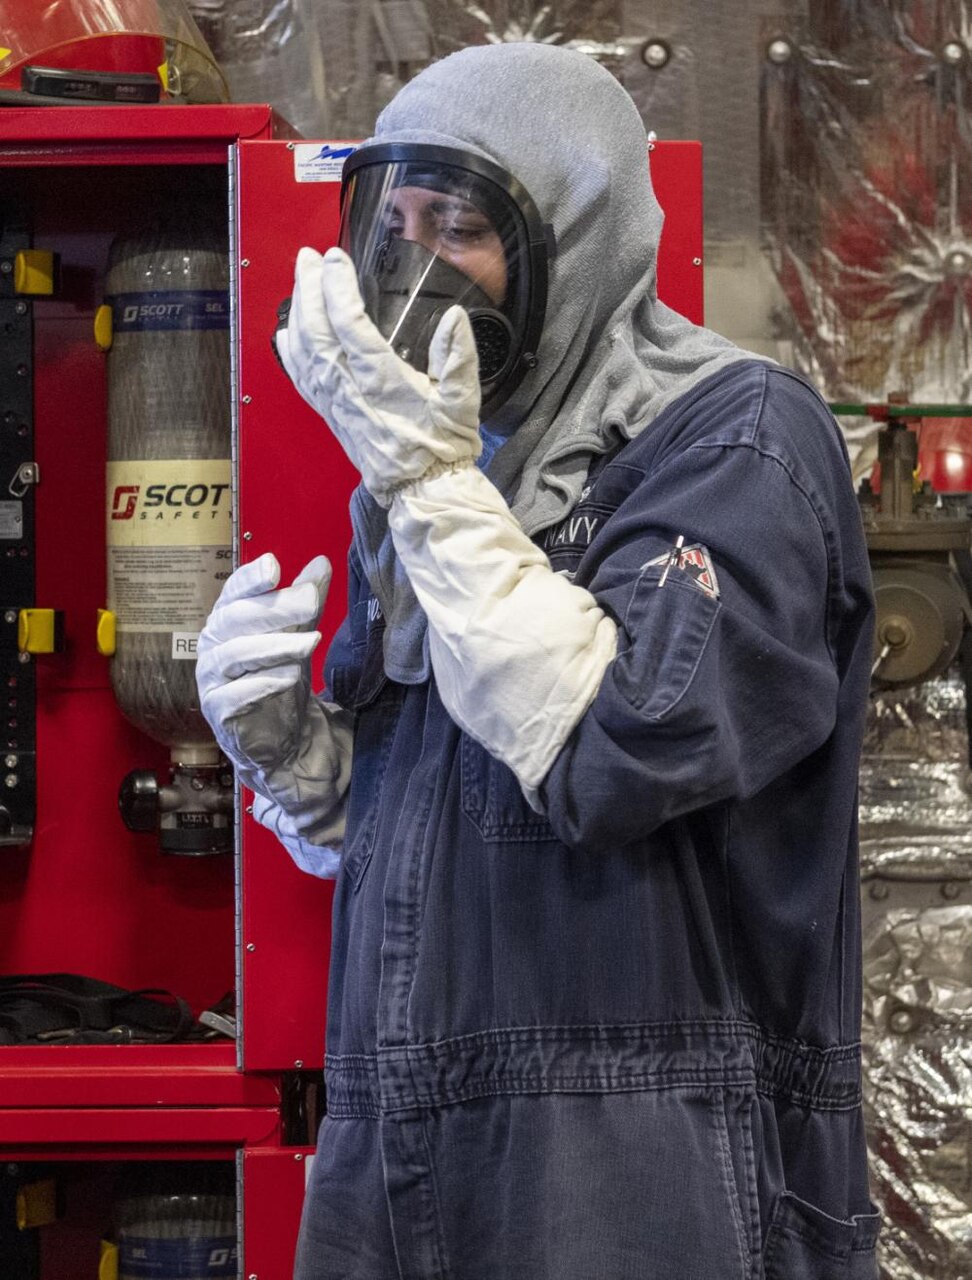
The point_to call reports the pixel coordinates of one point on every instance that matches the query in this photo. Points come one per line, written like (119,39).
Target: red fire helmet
(153,37)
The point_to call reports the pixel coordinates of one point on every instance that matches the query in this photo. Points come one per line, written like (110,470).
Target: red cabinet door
(294,485)
(272,1183)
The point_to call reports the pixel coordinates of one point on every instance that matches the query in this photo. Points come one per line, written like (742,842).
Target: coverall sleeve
(720,685)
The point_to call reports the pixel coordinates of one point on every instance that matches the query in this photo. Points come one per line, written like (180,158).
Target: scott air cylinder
(169,507)
(177,1222)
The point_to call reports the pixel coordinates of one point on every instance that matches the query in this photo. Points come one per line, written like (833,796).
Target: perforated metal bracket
(18,478)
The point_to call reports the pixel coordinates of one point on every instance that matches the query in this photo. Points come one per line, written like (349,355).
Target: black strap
(62,1007)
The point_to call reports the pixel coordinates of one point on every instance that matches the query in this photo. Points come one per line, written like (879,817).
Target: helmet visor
(426,234)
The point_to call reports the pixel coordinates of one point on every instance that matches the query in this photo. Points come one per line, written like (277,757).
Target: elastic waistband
(533,1060)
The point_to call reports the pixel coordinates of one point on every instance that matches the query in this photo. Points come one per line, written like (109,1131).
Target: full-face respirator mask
(430,227)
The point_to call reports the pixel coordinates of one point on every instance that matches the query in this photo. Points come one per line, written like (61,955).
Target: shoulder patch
(697,563)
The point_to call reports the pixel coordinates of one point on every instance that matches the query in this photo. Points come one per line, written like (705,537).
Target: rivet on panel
(696,262)
(248,537)
(247,399)
(245,262)
(251,946)
(656,54)
(779,51)
(953,52)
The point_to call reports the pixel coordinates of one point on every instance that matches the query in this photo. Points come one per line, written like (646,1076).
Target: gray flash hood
(611,356)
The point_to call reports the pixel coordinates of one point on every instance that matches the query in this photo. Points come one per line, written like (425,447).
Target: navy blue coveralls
(619,1039)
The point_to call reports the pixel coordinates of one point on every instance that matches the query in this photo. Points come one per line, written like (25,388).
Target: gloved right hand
(253,676)
(394,423)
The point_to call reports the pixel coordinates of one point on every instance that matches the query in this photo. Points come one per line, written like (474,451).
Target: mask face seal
(431,227)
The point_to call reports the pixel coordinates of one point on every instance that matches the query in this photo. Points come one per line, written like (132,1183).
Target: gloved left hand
(253,675)
(395,424)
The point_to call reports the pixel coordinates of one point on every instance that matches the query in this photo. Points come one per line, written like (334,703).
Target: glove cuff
(311,788)
(518,651)
(386,497)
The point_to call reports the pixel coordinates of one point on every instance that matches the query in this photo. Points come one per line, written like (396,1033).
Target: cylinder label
(188,1258)
(169,534)
(166,310)
(165,588)
(170,503)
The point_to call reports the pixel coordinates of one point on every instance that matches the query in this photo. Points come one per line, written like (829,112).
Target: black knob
(138,800)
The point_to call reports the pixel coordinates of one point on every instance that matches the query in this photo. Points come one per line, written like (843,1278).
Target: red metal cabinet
(87,896)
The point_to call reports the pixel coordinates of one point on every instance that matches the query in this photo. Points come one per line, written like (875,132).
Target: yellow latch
(36,1204)
(108,1262)
(40,631)
(103,329)
(106,632)
(34,272)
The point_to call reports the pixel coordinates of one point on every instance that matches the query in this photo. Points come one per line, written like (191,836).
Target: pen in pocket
(673,558)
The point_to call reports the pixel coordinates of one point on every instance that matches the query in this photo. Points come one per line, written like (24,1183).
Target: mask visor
(425,236)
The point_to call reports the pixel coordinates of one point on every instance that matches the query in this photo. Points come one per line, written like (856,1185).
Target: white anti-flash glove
(394,423)
(518,651)
(253,676)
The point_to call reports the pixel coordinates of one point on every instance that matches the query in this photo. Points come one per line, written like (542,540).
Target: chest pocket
(358,682)
(493,801)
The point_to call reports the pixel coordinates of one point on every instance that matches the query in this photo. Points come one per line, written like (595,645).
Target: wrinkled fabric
(611,355)
(619,1037)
